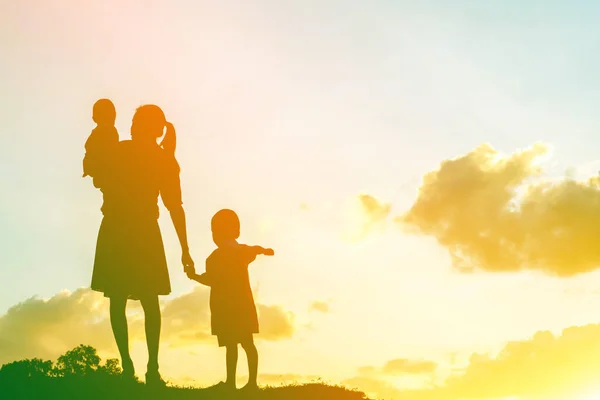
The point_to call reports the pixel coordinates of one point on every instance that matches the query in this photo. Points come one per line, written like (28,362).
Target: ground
(114,388)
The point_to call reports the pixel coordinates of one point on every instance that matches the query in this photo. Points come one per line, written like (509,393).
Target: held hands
(191,275)
(188,264)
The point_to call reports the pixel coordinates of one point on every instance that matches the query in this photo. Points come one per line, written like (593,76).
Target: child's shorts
(234,339)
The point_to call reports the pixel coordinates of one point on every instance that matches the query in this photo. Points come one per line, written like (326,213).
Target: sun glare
(594,396)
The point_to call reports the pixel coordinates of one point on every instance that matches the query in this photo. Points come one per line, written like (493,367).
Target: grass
(114,388)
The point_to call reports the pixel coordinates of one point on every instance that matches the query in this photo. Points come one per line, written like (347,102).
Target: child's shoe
(249,388)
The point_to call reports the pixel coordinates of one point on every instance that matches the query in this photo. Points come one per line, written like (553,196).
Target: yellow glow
(595,396)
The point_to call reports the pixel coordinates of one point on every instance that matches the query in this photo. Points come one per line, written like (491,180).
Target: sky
(426,172)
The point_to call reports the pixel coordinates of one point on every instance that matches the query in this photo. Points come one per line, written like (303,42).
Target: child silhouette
(232,308)
(102,140)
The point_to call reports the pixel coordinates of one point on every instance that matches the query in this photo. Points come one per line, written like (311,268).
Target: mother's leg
(152,324)
(118,321)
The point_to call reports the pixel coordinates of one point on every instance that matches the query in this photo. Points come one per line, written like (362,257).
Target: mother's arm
(170,193)
(178,218)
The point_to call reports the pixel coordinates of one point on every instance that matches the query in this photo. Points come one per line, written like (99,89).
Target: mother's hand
(188,263)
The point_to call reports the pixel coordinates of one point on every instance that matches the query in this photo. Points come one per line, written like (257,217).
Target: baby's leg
(252,355)
(231,363)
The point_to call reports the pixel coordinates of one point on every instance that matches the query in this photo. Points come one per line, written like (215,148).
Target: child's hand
(202,278)
(269,252)
(189,269)
(188,262)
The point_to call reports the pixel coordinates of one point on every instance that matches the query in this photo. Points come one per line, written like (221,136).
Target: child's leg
(252,355)
(231,362)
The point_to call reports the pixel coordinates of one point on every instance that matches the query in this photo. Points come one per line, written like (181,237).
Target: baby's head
(225,226)
(104,112)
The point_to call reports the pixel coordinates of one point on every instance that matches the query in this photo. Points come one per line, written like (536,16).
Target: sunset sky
(426,171)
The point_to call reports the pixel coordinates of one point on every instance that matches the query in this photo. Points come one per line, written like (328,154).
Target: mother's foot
(128,369)
(154,379)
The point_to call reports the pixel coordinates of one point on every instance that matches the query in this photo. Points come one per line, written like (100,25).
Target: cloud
(375,210)
(367,370)
(564,364)
(399,367)
(46,328)
(376,381)
(544,366)
(402,366)
(275,323)
(496,213)
(186,319)
(367,215)
(319,306)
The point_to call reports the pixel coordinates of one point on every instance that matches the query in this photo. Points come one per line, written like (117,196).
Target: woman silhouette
(130,259)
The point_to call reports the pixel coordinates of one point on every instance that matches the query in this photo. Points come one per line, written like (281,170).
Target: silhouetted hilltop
(79,374)
(114,388)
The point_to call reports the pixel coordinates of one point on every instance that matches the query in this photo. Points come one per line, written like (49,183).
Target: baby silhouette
(102,140)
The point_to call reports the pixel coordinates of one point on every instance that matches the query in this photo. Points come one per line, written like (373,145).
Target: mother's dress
(130,257)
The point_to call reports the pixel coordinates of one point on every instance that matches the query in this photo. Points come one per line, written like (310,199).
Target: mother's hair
(148,122)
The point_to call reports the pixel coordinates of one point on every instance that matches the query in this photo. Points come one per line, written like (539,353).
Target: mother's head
(148,123)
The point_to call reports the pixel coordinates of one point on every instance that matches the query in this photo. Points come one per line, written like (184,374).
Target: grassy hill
(80,374)
(114,388)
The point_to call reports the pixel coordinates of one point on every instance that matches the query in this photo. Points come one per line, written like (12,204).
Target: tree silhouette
(81,361)
(111,367)
(34,368)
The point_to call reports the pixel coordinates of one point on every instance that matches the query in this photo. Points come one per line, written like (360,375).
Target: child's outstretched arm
(265,251)
(261,250)
(250,252)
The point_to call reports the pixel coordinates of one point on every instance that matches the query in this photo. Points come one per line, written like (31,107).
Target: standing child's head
(225,226)
(104,112)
